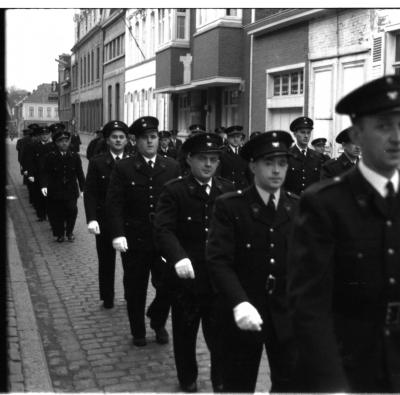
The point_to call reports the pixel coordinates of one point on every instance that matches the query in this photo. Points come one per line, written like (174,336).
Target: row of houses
(260,68)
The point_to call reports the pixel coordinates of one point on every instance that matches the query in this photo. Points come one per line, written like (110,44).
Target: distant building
(87,70)
(114,66)
(40,107)
(64,90)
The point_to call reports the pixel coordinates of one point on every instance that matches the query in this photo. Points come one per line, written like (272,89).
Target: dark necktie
(117,158)
(391,196)
(150,163)
(205,188)
(303,151)
(271,205)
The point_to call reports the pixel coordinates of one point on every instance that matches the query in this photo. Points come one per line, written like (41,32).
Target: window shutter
(378,50)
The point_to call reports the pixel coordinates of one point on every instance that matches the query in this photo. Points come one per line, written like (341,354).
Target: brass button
(388,223)
(150,187)
(387,332)
(390,251)
(206,229)
(392,281)
(360,255)
(271,229)
(272,245)
(272,261)
(248,245)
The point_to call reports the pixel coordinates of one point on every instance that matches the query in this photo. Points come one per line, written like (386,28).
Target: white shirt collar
(209,183)
(377,181)
(302,149)
(114,155)
(265,195)
(153,159)
(234,148)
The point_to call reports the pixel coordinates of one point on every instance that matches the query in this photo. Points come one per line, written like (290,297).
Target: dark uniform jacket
(171,152)
(97,180)
(344,269)
(90,151)
(181,225)
(245,246)
(302,170)
(62,175)
(234,168)
(335,167)
(36,155)
(132,196)
(75,143)
(177,146)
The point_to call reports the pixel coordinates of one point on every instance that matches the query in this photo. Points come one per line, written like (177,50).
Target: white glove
(184,268)
(120,244)
(44,191)
(93,227)
(81,194)
(31,179)
(25,172)
(247,317)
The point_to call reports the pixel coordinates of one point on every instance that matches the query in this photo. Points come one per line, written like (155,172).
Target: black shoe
(108,304)
(192,387)
(71,238)
(60,239)
(139,341)
(162,336)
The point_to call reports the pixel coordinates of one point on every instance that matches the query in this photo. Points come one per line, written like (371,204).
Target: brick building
(64,90)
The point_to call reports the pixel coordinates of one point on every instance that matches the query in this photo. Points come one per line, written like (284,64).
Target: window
(204,16)
(40,112)
(81,72)
(288,83)
(89,68)
(98,63)
(84,70)
(116,101)
(92,67)
(109,102)
(230,110)
(48,112)
(152,34)
(55,112)
(161,22)
(396,64)
(180,23)
(31,112)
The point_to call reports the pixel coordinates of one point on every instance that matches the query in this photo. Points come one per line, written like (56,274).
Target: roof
(41,95)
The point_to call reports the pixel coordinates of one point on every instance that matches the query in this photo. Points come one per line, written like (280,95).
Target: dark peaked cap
(109,127)
(380,95)
(270,143)
(142,125)
(203,142)
(344,136)
(300,123)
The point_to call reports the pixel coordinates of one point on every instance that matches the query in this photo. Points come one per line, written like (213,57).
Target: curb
(34,364)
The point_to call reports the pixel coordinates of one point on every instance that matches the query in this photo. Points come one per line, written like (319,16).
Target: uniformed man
(254,134)
(20,145)
(319,145)
(165,148)
(75,142)
(174,141)
(132,194)
(181,226)
(304,164)
(246,257)
(97,179)
(62,182)
(221,132)
(181,157)
(36,156)
(346,161)
(344,272)
(91,148)
(233,167)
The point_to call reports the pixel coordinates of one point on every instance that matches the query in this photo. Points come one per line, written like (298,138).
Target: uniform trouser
(242,351)
(62,215)
(137,267)
(187,312)
(30,187)
(39,200)
(106,256)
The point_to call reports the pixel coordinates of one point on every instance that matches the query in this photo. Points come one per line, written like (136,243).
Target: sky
(34,39)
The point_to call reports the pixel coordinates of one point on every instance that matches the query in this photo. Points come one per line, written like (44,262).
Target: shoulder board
(224,180)
(292,195)
(174,180)
(325,184)
(230,195)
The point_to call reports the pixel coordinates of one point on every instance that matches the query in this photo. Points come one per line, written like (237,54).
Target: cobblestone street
(60,338)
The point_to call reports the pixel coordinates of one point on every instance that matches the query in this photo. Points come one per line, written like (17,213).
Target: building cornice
(86,37)
(207,82)
(113,18)
(284,19)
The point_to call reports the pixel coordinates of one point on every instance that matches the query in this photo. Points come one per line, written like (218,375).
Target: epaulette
(174,180)
(325,184)
(222,179)
(230,195)
(292,195)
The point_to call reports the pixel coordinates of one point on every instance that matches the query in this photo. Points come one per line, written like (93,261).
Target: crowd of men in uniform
(265,243)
